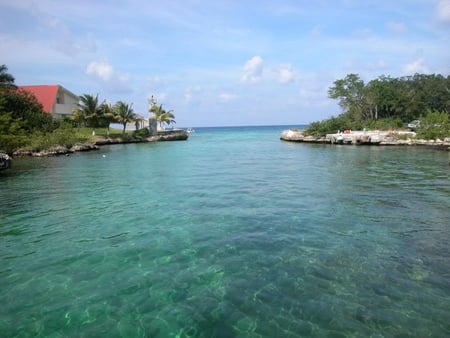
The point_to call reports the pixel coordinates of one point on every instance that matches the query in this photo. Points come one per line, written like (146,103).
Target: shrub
(59,137)
(141,133)
(385,124)
(434,125)
(332,125)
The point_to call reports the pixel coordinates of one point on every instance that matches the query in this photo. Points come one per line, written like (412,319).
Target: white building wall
(65,102)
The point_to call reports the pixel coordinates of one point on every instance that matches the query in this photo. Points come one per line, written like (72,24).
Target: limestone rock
(5,161)
(293,135)
(84,147)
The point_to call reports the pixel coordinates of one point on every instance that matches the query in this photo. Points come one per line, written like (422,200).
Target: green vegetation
(63,136)
(384,103)
(140,134)
(434,125)
(390,103)
(162,116)
(92,134)
(6,79)
(90,113)
(24,124)
(21,116)
(123,113)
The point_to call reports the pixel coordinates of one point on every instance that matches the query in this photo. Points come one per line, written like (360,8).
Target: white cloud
(57,30)
(13,48)
(316,32)
(285,74)
(444,10)
(226,97)
(362,33)
(191,92)
(154,81)
(417,66)
(102,70)
(311,93)
(396,27)
(253,69)
(162,47)
(105,73)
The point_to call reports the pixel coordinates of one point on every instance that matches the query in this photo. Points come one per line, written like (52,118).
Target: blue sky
(222,63)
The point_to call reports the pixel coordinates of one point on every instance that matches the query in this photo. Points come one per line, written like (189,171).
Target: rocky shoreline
(5,161)
(382,138)
(170,135)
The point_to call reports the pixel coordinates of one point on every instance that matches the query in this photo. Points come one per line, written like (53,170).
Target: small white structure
(152,124)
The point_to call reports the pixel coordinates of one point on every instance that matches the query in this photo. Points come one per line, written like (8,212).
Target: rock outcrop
(57,150)
(5,161)
(383,138)
(169,135)
(173,135)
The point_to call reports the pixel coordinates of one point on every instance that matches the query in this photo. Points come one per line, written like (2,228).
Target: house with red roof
(55,99)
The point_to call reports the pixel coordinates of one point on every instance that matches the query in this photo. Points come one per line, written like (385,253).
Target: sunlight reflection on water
(231,233)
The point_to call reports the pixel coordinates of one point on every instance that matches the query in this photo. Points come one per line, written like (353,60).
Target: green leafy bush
(141,133)
(65,137)
(12,136)
(333,125)
(434,125)
(385,124)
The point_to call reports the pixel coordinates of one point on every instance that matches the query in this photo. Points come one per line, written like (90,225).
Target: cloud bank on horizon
(222,62)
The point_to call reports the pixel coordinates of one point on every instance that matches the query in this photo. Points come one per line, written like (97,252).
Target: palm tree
(163,116)
(124,114)
(78,117)
(88,110)
(108,114)
(6,79)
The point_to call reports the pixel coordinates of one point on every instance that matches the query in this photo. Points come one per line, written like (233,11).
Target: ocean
(232,233)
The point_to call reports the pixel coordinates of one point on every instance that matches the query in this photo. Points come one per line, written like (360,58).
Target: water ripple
(232,233)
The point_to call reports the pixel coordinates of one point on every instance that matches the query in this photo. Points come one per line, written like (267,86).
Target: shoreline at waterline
(58,150)
(382,138)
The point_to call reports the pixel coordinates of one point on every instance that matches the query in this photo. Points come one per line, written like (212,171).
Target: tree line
(24,123)
(386,102)
(90,113)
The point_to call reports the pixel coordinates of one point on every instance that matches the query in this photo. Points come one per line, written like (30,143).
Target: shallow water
(232,233)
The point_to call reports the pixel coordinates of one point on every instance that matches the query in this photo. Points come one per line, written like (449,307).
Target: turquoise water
(232,233)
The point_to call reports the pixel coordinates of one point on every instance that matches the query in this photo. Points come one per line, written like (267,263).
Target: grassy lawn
(100,133)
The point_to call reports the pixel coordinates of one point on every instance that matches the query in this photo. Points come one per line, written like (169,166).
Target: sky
(222,62)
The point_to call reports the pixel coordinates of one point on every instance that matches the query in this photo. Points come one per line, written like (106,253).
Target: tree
(434,125)
(89,112)
(163,116)
(24,108)
(124,114)
(389,103)
(21,115)
(350,92)
(436,92)
(12,135)
(405,98)
(6,79)
(108,113)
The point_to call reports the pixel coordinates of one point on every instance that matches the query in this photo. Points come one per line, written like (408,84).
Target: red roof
(45,94)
